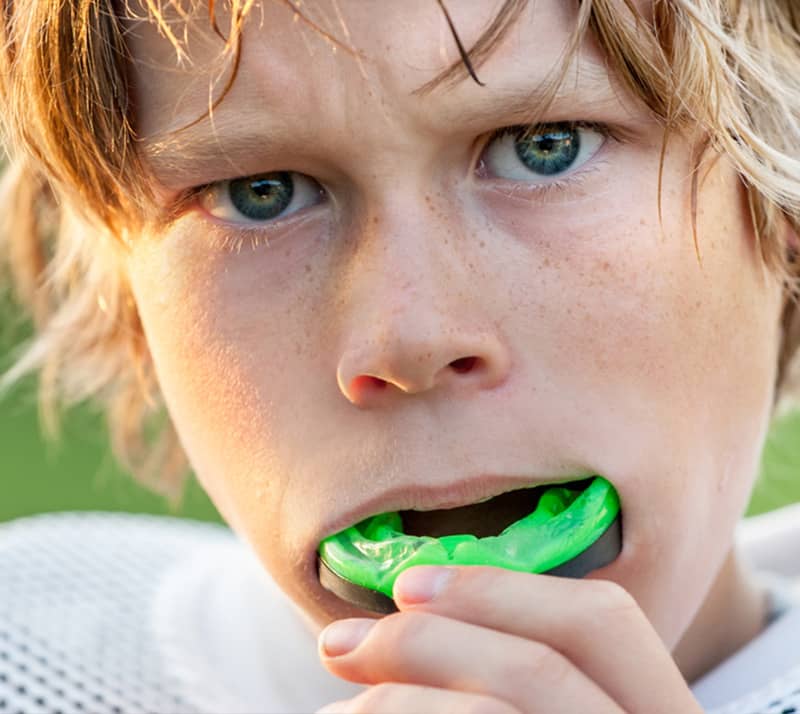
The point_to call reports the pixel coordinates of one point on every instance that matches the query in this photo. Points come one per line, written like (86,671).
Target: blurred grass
(80,472)
(779,481)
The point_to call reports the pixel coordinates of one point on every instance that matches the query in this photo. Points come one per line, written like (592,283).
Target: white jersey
(105,613)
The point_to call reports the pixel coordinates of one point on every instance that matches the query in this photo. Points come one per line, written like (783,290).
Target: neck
(732,614)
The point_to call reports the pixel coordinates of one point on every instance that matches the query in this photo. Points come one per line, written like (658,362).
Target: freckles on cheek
(633,320)
(203,358)
(214,405)
(219,310)
(235,340)
(621,312)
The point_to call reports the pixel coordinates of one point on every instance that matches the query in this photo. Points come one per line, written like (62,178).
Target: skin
(314,380)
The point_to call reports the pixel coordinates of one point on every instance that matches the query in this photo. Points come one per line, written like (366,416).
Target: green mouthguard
(566,521)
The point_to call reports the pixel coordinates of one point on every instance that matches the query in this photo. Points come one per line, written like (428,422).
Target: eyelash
(601,128)
(234,238)
(232,242)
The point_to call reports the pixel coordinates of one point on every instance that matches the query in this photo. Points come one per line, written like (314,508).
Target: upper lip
(426,497)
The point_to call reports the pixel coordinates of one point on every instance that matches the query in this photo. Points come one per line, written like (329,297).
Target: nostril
(366,382)
(463,365)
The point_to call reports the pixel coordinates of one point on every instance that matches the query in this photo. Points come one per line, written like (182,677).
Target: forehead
(382,52)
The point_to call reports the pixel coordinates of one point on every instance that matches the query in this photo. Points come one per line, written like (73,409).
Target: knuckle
(611,599)
(537,660)
(552,665)
(405,626)
(604,605)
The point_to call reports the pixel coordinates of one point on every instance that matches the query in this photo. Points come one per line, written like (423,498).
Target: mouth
(489,517)
(564,529)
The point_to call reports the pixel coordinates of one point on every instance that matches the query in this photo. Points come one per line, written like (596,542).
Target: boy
(364,281)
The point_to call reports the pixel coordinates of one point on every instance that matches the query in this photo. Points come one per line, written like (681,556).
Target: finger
(393,698)
(430,650)
(595,624)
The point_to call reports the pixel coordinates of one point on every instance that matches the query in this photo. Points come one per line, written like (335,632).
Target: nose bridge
(414,319)
(408,255)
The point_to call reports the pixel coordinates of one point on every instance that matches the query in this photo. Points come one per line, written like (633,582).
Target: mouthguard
(573,530)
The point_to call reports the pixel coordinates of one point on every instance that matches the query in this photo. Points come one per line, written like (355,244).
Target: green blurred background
(79,473)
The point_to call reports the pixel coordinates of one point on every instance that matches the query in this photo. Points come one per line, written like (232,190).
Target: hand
(489,640)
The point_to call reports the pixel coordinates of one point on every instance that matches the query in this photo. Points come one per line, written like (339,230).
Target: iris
(263,196)
(549,149)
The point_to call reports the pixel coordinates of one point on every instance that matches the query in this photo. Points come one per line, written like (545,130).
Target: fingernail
(421,584)
(343,636)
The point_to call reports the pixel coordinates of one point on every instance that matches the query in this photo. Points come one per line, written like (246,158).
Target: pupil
(546,145)
(262,197)
(264,188)
(548,150)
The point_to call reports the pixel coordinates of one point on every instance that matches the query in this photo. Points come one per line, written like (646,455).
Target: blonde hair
(76,189)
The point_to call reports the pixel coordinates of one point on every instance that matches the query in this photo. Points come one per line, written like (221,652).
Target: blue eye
(540,153)
(262,197)
(548,151)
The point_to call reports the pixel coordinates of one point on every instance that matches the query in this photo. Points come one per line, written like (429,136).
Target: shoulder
(771,541)
(89,526)
(764,675)
(75,608)
(90,552)
(93,553)
(116,613)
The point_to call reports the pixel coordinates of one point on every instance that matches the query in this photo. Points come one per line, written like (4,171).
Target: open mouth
(563,529)
(488,518)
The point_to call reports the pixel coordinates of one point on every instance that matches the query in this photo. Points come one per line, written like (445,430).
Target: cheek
(624,313)
(680,380)
(654,367)
(216,342)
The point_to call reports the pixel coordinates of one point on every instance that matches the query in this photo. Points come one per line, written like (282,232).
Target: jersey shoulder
(76,605)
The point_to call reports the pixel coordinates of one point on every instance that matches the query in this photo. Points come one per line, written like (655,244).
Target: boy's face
(440,316)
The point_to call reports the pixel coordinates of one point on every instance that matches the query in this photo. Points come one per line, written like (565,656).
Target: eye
(262,197)
(538,154)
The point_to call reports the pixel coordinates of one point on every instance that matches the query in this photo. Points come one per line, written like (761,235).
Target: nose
(420,361)
(418,329)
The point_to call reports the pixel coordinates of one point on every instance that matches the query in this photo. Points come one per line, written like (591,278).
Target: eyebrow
(232,137)
(177,154)
(590,88)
